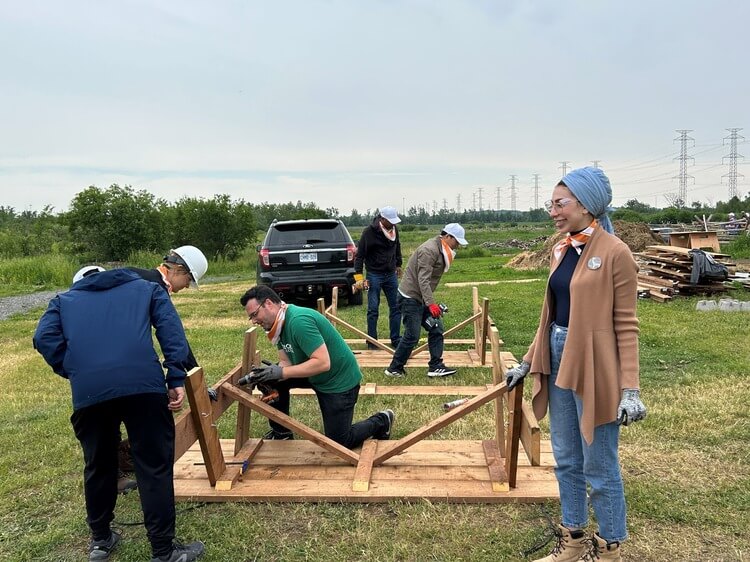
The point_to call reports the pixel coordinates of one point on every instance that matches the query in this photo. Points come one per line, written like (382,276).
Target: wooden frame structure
(316,468)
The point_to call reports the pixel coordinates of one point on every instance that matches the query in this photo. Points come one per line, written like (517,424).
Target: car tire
(355,299)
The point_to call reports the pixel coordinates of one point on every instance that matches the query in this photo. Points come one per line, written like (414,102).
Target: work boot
(571,545)
(182,552)
(124,458)
(599,549)
(273,435)
(125,484)
(100,550)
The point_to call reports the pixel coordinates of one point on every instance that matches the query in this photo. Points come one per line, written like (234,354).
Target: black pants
(150,427)
(337,410)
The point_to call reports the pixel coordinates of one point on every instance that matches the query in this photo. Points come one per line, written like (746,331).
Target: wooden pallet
(299,471)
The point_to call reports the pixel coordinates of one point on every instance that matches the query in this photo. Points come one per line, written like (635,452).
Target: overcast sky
(359,104)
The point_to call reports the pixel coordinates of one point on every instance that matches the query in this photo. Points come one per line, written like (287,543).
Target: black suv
(304,259)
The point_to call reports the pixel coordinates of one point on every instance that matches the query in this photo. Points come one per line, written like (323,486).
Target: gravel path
(23,303)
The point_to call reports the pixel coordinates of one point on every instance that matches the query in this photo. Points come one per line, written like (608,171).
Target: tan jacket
(423,272)
(600,357)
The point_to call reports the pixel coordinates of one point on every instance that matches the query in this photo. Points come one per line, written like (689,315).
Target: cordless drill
(269,394)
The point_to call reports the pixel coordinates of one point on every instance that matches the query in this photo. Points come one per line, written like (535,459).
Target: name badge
(595,263)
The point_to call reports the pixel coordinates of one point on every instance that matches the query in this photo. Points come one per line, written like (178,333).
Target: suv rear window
(302,233)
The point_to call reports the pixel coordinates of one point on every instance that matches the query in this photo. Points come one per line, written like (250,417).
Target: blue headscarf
(591,187)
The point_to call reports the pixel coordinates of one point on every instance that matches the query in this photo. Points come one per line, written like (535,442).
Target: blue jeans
(413,313)
(388,282)
(337,410)
(579,464)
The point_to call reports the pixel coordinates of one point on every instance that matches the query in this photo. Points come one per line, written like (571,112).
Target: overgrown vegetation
(686,467)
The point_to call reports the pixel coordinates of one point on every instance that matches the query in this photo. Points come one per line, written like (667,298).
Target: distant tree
(218,226)
(638,207)
(109,224)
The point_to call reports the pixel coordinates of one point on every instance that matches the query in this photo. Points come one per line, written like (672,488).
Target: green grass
(686,467)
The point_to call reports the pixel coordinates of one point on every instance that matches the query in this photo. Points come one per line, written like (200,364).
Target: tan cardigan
(601,350)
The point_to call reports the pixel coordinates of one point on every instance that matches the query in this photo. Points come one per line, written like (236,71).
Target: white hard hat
(85,271)
(191,258)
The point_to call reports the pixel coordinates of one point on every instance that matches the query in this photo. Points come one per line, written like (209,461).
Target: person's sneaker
(125,484)
(392,372)
(100,550)
(279,436)
(441,371)
(182,552)
(390,417)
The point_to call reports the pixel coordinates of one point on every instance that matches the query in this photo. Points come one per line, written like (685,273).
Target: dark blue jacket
(98,336)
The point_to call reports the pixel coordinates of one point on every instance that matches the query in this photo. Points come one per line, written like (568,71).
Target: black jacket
(378,254)
(154,276)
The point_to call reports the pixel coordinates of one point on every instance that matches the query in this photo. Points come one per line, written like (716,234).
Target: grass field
(686,467)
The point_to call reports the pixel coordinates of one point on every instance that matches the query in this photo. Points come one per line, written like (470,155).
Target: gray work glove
(269,374)
(631,409)
(516,374)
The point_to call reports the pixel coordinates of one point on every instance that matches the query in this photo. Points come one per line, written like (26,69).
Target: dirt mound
(636,235)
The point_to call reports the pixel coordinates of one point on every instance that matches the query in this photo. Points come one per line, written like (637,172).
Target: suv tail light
(265,260)
(351,251)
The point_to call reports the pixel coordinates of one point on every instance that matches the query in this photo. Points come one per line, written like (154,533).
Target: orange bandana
(576,240)
(278,325)
(390,234)
(447,254)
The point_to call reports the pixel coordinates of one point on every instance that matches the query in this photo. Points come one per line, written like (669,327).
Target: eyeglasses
(558,205)
(254,314)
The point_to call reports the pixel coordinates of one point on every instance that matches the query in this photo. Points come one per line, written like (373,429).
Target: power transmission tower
(497,198)
(480,198)
(536,191)
(474,200)
(564,167)
(595,163)
(445,204)
(513,192)
(683,177)
(458,203)
(733,156)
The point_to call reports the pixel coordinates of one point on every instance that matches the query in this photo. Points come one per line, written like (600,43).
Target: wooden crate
(697,239)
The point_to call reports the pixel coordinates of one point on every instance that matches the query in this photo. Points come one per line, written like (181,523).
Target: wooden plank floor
(461,358)
(299,471)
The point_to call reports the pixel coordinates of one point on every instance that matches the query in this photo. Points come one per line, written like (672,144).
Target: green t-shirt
(305,330)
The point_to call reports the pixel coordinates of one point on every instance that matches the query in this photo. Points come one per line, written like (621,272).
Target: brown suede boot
(599,549)
(571,545)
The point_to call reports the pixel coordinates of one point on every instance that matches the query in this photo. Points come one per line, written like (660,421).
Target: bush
(38,271)
(739,248)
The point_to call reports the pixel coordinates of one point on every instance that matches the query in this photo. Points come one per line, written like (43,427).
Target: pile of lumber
(665,272)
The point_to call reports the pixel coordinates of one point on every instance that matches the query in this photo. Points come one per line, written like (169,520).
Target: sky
(355,104)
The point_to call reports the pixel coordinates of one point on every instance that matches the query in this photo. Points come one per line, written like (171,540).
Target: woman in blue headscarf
(584,365)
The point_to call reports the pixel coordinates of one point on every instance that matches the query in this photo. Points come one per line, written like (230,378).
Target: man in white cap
(418,307)
(379,250)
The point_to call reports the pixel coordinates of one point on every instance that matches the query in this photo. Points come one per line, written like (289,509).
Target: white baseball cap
(85,271)
(457,231)
(390,214)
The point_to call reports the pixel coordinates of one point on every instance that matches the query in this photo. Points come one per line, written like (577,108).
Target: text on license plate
(308,257)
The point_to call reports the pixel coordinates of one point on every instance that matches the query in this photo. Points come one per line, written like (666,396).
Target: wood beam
(208,435)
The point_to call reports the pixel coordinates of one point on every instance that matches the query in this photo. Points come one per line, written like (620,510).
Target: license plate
(309,257)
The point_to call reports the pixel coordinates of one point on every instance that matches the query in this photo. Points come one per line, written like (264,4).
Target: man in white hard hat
(418,307)
(85,271)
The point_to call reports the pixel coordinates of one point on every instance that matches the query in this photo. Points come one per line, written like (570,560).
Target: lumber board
(238,463)
(208,435)
(495,466)
(364,468)
(515,405)
(242,427)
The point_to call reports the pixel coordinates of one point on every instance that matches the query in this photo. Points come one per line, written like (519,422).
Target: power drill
(269,394)
(431,322)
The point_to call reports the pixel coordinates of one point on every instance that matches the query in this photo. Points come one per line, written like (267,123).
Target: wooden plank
(185,432)
(370,388)
(475,308)
(336,320)
(292,424)
(242,427)
(498,376)
(495,467)
(240,461)
(483,325)
(436,425)
(364,467)
(208,435)
(515,403)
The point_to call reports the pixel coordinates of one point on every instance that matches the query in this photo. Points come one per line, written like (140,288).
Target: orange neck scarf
(278,325)
(576,240)
(447,254)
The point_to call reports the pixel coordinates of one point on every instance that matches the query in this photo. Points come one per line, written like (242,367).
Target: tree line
(108,225)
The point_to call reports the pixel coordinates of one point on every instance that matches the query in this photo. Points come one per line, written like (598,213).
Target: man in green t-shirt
(312,354)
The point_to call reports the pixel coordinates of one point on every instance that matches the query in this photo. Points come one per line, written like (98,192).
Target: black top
(376,251)
(559,284)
